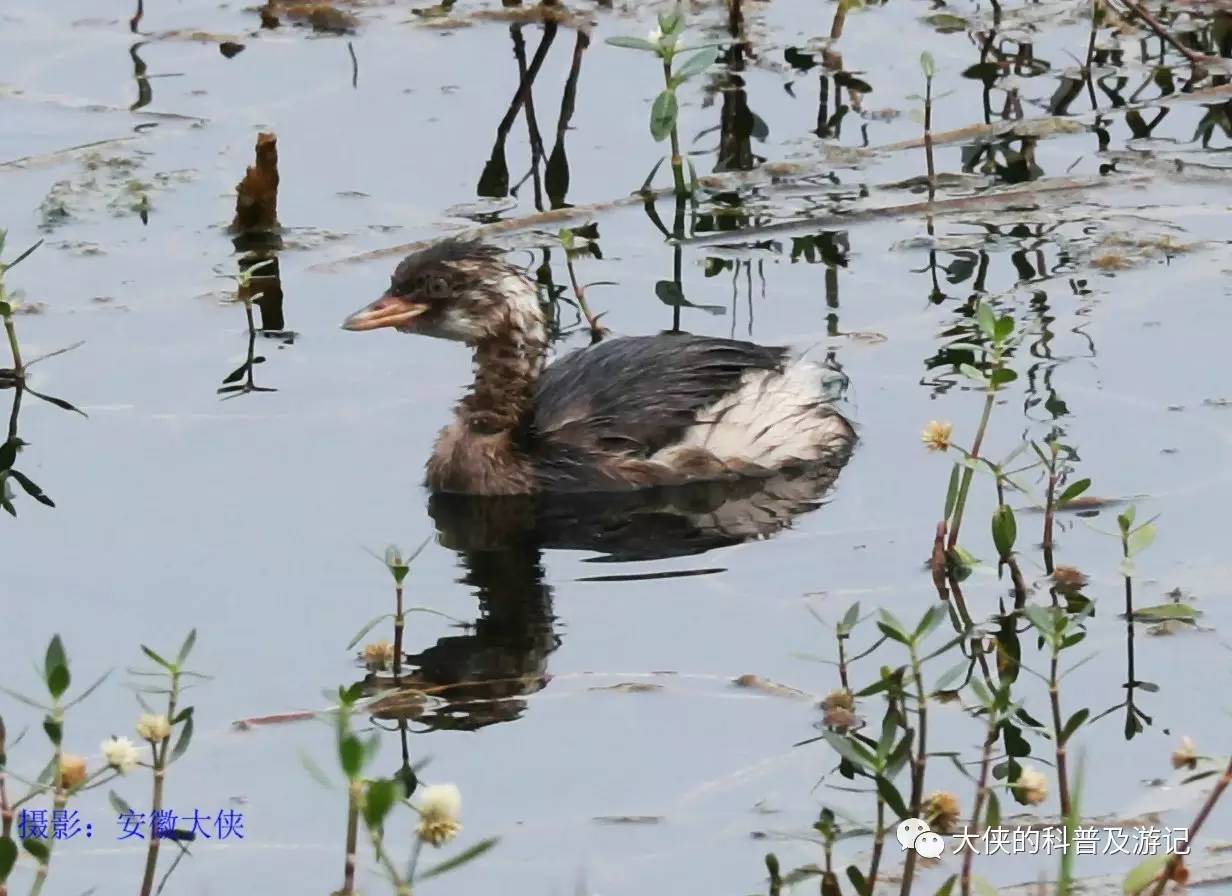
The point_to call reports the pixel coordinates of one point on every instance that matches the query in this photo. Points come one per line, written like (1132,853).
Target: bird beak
(387,311)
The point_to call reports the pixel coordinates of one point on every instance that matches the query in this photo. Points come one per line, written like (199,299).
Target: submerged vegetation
(1002,224)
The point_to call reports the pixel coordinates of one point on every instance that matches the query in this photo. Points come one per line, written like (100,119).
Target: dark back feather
(633,396)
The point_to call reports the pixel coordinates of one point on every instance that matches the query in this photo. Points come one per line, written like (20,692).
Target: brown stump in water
(256,199)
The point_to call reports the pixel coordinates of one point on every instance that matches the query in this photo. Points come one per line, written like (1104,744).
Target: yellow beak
(387,311)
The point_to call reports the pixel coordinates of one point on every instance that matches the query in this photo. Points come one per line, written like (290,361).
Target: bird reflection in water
(485,674)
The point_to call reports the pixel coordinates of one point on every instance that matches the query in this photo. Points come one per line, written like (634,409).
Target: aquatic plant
(664,42)
(168,734)
(15,378)
(64,776)
(372,800)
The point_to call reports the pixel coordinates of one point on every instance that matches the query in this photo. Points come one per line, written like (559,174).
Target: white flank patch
(773,419)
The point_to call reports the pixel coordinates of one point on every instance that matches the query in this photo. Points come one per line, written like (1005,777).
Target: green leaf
(1075,721)
(1044,619)
(368,626)
(930,620)
(118,803)
(378,800)
(36,848)
(1004,328)
(31,488)
(663,115)
(156,658)
(8,453)
(993,818)
(893,633)
(181,743)
(1004,530)
(671,22)
(186,648)
(986,321)
(633,43)
(1126,519)
(351,755)
(8,857)
(88,691)
(22,257)
(972,373)
(858,881)
(317,773)
(1141,539)
(851,750)
(850,618)
(946,888)
(928,65)
(55,667)
(888,792)
(460,859)
(695,64)
(1072,491)
(951,492)
(1002,376)
(1162,612)
(1144,874)
(951,675)
(58,682)
(54,729)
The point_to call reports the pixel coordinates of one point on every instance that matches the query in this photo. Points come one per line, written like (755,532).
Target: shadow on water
(481,677)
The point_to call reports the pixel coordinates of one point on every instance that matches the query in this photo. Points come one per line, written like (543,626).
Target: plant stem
(352,834)
(399,624)
(160,776)
(60,800)
(977,809)
(874,863)
(677,161)
(1216,792)
(18,368)
(1054,698)
(918,763)
(1050,512)
(596,331)
(968,472)
(401,887)
(928,138)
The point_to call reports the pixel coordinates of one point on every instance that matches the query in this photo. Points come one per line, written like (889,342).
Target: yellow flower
(941,812)
(1032,785)
(936,435)
(378,654)
(840,699)
(1069,577)
(72,770)
(438,814)
(1185,756)
(120,753)
(154,728)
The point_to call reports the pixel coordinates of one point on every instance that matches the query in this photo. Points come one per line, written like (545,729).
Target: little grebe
(628,413)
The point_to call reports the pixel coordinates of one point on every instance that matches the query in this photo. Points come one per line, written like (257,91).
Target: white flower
(154,728)
(439,807)
(1033,785)
(72,770)
(936,435)
(655,37)
(121,754)
(1186,755)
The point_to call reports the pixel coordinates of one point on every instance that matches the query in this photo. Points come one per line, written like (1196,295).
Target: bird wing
(631,397)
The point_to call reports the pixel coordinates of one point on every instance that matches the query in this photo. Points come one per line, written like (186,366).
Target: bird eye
(437,288)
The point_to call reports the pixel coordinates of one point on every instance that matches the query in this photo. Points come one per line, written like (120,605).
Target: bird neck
(507,365)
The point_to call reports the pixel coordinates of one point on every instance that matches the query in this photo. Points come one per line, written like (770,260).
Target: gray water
(248,518)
